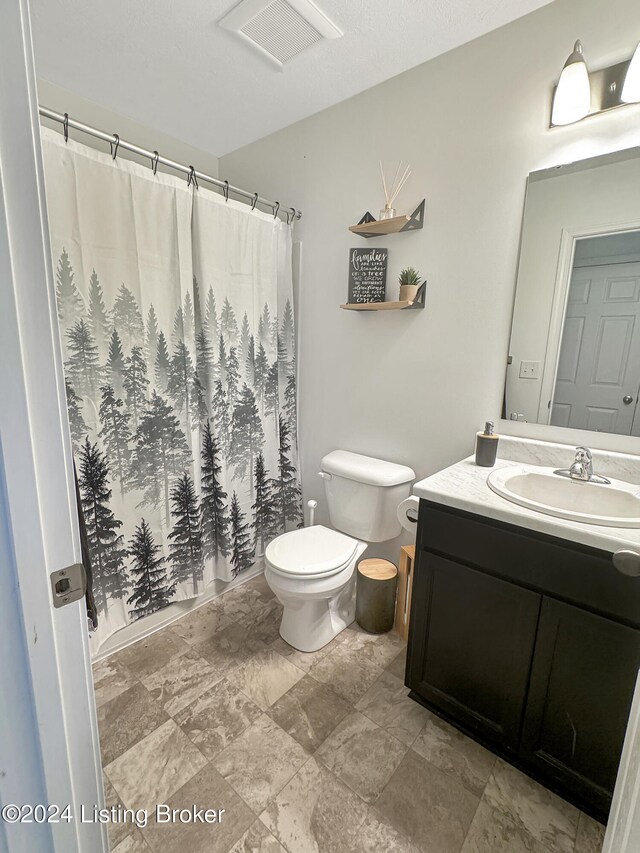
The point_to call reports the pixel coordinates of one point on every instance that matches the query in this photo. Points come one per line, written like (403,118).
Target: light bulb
(572,99)
(631,89)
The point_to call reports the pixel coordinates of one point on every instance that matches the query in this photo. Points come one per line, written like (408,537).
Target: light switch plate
(529,370)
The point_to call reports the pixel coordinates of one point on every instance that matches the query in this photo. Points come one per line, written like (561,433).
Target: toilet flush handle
(324,475)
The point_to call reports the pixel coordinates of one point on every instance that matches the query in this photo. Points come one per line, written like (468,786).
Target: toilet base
(310,624)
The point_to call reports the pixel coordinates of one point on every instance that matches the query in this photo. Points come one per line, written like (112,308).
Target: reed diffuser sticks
(390,195)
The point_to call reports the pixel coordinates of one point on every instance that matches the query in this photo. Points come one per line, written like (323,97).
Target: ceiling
(169,66)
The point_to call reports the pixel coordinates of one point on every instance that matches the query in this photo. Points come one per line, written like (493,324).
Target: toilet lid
(313,550)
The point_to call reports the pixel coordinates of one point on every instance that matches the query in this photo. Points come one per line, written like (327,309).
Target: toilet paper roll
(408,513)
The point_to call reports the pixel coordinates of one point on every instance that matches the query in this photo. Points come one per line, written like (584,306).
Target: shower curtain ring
(276,208)
(292,211)
(116,142)
(154,162)
(255,201)
(65,127)
(192,178)
(225,191)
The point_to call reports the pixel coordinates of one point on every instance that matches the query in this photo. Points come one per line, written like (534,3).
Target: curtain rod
(114,139)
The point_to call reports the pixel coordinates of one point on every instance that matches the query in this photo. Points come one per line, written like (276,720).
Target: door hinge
(68,585)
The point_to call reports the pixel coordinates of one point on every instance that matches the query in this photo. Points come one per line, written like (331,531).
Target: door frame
(623,829)
(40,527)
(40,524)
(566,255)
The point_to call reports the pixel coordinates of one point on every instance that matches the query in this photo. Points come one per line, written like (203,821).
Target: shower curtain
(177,331)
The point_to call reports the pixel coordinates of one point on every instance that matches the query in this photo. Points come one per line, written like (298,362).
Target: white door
(49,753)
(598,374)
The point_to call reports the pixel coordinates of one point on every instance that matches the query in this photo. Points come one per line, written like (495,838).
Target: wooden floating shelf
(379,227)
(370,227)
(403,305)
(381,306)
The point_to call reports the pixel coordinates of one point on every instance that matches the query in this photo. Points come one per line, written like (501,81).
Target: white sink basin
(614,505)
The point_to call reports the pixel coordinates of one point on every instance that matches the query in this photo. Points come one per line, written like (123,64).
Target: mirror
(574,356)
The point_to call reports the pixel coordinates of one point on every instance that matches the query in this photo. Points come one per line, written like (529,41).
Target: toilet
(311,571)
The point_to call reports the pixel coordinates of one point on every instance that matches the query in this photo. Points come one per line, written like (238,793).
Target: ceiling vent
(280,29)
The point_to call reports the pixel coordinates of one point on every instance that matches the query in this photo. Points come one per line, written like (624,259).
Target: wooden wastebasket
(376,595)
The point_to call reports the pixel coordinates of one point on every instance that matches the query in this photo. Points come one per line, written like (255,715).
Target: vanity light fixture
(631,89)
(572,98)
(581,93)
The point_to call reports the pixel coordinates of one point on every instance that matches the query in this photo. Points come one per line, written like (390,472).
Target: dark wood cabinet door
(582,682)
(471,645)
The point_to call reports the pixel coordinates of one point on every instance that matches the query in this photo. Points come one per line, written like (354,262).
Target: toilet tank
(363,494)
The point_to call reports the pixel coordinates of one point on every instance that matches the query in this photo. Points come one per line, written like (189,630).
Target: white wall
(414,386)
(89,112)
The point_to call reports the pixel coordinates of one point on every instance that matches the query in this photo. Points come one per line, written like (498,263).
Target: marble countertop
(464,486)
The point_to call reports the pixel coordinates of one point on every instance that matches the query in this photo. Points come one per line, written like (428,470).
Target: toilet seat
(312,552)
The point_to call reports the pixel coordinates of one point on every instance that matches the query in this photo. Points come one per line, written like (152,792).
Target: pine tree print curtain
(177,332)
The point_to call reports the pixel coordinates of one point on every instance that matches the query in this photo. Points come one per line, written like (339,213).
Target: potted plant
(409,284)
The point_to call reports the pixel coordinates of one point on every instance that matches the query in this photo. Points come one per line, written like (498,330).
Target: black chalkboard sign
(367,275)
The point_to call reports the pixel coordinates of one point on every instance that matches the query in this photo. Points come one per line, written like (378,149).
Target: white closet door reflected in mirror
(598,374)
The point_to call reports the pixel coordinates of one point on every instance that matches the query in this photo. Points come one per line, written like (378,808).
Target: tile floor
(318,753)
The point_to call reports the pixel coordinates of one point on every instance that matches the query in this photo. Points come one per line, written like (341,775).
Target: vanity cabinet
(475,629)
(582,682)
(528,643)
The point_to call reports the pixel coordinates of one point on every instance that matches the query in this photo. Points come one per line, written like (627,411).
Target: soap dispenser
(486,446)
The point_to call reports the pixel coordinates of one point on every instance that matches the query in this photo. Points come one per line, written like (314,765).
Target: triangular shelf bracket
(366,219)
(416,220)
(420,299)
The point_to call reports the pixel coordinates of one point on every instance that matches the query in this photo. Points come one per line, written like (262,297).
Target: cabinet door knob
(627,562)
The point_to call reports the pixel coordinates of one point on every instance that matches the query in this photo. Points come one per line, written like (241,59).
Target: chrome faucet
(582,469)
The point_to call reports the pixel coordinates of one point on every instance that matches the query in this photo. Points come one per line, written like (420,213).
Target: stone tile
(217,717)
(260,762)
(451,751)
(315,813)
(303,660)
(206,790)
(398,665)
(380,648)
(110,679)
(259,584)
(244,599)
(590,837)
(263,621)
(349,673)
(428,806)
(547,817)
(134,843)
(201,624)
(126,719)
(117,830)
(362,755)
(265,677)
(309,712)
(151,653)
(376,835)
(229,648)
(257,839)
(492,831)
(155,768)
(387,703)
(181,681)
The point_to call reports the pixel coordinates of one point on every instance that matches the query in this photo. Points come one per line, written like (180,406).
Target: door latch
(68,585)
